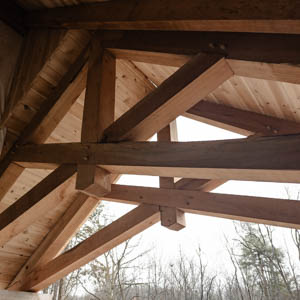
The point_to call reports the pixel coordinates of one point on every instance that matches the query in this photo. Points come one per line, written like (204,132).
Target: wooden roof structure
(94,80)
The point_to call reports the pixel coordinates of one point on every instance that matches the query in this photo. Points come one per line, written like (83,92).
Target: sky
(208,232)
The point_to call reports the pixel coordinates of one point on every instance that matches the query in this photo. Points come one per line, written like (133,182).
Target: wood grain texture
(262,159)
(58,237)
(278,212)
(31,206)
(174,48)
(240,121)
(98,113)
(182,90)
(256,16)
(171,217)
(112,235)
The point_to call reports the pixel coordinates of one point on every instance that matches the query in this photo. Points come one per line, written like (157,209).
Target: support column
(171,217)
(98,114)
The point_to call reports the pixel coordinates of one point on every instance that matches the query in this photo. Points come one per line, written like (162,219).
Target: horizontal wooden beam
(31,206)
(204,185)
(262,159)
(193,81)
(254,16)
(241,121)
(174,48)
(279,212)
(112,235)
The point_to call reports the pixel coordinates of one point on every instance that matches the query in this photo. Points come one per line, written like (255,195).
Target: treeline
(259,270)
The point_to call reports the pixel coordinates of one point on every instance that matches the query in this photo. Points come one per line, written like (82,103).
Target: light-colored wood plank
(112,235)
(31,206)
(58,237)
(196,79)
(277,72)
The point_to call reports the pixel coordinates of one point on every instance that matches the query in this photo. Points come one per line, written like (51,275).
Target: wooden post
(98,114)
(171,217)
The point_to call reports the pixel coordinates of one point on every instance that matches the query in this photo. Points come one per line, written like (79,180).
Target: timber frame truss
(112,147)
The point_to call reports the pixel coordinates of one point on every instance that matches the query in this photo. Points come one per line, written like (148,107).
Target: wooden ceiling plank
(98,113)
(171,218)
(193,81)
(58,237)
(112,235)
(278,212)
(47,118)
(174,48)
(30,207)
(254,16)
(244,121)
(262,159)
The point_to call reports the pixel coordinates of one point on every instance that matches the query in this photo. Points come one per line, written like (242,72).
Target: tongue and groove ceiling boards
(94,80)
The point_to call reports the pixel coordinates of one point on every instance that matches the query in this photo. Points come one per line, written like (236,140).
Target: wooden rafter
(58,237)
(193,81)
(262,159)
(241,121)
(279,212)
(112,235)
(282,16)
(30,207)
(46,119)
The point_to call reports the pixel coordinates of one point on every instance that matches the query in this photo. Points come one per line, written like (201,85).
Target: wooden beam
(279,212)
(13,15)
(46,120)
(98,114)
(262,159)
(241,121)
(206,15)
(174,48)
(193,81)
(204,185)
(112,235)
(171,218)
(58,237)
(31,206)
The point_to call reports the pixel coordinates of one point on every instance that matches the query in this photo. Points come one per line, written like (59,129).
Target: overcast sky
(207,231)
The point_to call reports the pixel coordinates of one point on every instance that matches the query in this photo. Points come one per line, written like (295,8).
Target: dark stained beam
(245,122)
(105,239)
(193,81)
(204,185)
(44,122)
(30,207)
(255,16)
(13,15)
(262,159)
(280,212)
(173,47)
